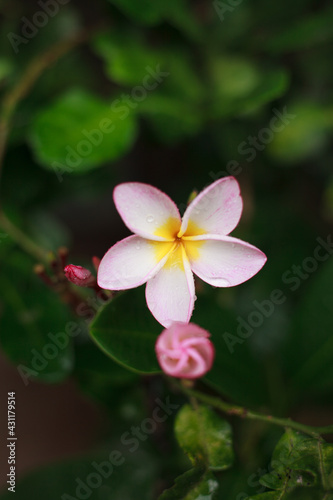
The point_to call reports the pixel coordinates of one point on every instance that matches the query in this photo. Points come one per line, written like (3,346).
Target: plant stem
(22,239)
(244,413)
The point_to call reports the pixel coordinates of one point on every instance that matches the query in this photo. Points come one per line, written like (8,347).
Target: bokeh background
(175,94)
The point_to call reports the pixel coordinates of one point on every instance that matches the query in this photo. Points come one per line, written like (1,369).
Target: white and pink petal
(147,211)
(170,293)
(216,210)
(224,261)
(131,262)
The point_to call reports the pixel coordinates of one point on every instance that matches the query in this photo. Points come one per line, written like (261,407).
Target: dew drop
(224,282)
(150,219)
(220,282)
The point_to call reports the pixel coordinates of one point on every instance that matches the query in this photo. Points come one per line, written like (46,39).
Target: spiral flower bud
(184,350)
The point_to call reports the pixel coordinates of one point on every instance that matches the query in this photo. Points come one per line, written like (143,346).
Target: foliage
(175,94)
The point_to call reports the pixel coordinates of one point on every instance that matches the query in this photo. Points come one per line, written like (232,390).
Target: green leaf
(311,370)
(126,331)
(300,461)
(79,132)
(205,437)
(234,361)
(36,331)
(195,484)
(99,377)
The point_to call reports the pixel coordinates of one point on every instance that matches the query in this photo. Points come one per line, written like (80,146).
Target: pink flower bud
(79,275)
(184,350)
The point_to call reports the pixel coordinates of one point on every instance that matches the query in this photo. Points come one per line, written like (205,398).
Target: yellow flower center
(177,243)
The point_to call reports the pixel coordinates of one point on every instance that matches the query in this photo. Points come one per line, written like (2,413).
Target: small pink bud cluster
(184,350)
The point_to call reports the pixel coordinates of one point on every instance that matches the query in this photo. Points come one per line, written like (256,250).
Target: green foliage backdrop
(175,94)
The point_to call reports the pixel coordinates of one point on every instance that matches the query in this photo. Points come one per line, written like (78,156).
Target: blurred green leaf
(36,331)
(170,118)
(240,86)
(306,134)
(125,56)
(79,132)
(130,60)
(170,92)
(126,331)
(195,484)
(205,437)
(6,68)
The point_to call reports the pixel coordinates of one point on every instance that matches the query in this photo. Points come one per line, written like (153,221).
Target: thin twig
(245,413)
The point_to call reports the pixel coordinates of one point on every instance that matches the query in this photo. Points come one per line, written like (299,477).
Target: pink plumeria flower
(166,250)
(184,350)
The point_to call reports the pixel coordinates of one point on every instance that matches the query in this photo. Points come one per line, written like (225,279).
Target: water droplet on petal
(150,219)
(220,282)
(224,282)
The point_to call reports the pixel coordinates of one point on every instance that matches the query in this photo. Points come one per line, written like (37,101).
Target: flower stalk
(243,412)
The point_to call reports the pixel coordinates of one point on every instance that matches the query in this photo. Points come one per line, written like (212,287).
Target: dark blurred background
(194,91)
